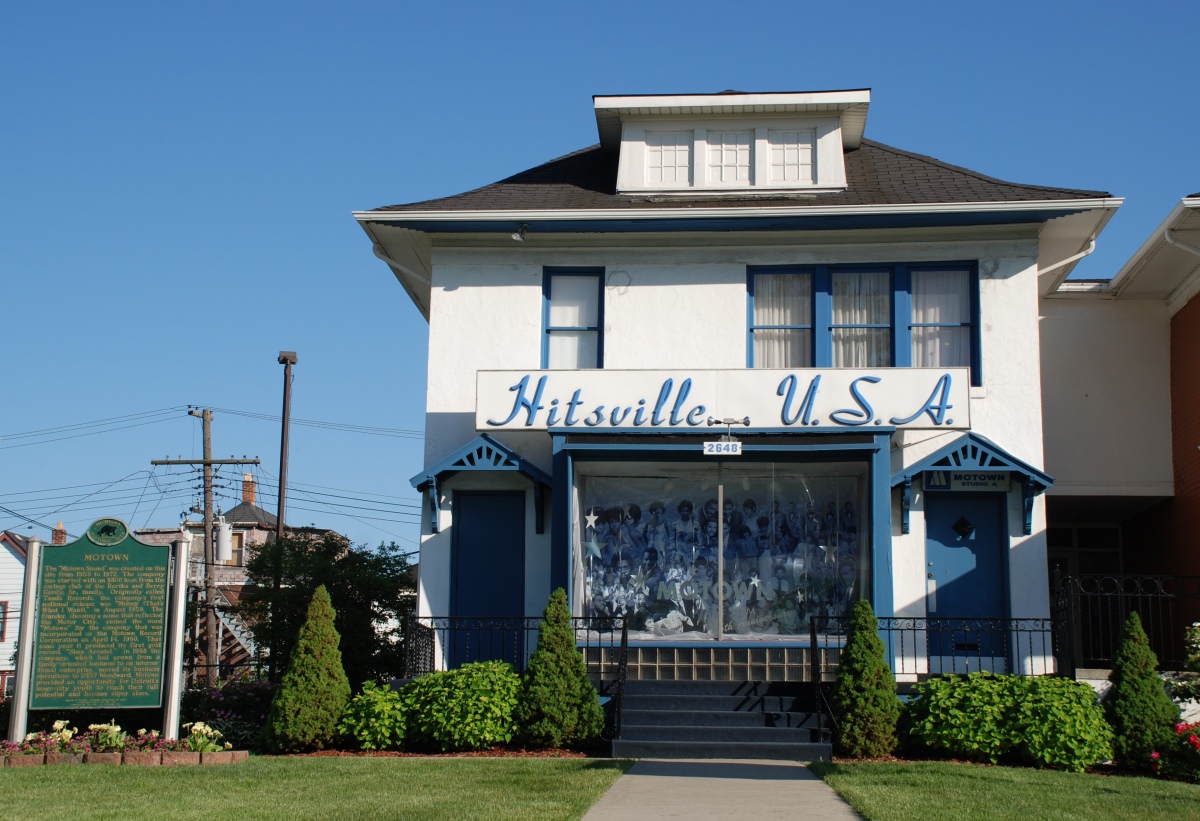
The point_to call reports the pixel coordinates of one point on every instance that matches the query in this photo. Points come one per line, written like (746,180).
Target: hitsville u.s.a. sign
(814,398)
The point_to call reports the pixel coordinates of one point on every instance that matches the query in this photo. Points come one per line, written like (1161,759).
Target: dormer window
(669,158)
(791,156)
(729,157)
(731,143)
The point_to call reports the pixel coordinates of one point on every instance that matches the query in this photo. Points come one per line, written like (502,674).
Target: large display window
(753,551)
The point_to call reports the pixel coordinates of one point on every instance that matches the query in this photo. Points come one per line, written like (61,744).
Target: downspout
(1178,243)
(377,249)
(1091,247)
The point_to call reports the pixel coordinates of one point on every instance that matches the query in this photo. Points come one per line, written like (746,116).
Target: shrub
(1184,759)
(1047,722)
(865,702)
(968,717)
(1060,724)
(305,711)
(1186,685)
(470,708)
(558,704)
(374,718)
(1141,713)
(238,709)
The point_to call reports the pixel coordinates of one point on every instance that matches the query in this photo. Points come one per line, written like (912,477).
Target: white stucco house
(738,366)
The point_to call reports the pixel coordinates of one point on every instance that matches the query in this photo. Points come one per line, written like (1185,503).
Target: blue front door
(487,571)
(965,540)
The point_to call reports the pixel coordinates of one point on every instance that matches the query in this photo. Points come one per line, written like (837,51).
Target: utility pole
(287,359)
(212,648)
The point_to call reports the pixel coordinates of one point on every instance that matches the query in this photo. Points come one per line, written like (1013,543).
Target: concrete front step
(684,702)
(719,687)
(806,751)
(716,718)
(717,735)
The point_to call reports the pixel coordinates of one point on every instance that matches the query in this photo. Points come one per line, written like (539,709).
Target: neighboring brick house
(251,526)
(1159,533)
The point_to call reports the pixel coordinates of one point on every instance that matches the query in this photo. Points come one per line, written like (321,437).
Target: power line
(372,430)
(98,422)
(81,435)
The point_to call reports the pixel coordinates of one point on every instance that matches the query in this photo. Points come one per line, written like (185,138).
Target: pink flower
(1154,755)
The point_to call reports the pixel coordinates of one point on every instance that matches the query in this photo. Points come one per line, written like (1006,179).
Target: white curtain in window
(572,350)
(782,299)
(574,301)
(862,298)
(941,298)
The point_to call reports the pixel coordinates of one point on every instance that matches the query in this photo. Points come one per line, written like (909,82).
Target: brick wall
(1166,538)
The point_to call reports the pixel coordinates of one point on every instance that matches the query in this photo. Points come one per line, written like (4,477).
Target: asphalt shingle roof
(877,174)
(247,513)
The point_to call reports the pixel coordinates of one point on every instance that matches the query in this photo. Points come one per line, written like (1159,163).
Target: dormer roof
(851,105)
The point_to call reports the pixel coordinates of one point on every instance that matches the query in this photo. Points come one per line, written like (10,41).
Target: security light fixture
(519,234)
(287,358)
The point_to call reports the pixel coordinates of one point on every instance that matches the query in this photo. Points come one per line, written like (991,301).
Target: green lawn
(964,792)
(324,788)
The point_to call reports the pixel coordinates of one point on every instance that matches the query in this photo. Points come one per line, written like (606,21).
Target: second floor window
(573,313)
(921,316)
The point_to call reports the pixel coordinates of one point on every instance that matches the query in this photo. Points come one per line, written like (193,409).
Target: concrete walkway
(714,788)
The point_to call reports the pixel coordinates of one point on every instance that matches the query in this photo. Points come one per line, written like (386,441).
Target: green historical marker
(101,622)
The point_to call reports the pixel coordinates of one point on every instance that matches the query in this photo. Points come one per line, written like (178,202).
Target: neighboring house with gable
(12,584)
(251,526)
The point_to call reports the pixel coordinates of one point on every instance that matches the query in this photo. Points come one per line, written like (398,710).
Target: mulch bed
(495,752)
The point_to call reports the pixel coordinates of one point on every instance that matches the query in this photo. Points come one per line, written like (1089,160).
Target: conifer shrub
(470,708)
(374,719)
(1142,715)
(312,696)
(558,704)
(865,703)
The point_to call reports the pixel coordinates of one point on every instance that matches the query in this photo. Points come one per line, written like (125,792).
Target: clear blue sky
(176,185)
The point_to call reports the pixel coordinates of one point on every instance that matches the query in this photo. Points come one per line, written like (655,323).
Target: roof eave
(581,214)
(1152,245)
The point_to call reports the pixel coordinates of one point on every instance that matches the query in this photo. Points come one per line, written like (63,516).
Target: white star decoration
(591,520)
(830,552)
(755,581)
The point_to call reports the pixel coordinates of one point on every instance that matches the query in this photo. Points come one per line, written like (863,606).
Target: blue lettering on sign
(663,394)
(864,414)
(941,393)
(787,389)
(685,387)
(531,407)
(680,413)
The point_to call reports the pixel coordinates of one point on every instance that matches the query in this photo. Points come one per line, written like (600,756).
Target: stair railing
(622,671)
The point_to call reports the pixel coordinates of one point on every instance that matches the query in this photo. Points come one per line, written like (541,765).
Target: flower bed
(109,744)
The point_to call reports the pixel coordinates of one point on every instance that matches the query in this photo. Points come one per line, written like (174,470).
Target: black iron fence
(931,646)
(444,642)
(1091,609)
(918,647)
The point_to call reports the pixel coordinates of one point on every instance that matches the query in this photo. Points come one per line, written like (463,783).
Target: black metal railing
(1092,609)
(445,642)
(931,646)
(618,695)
